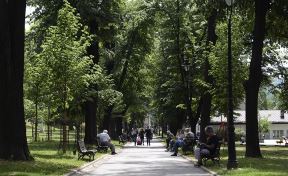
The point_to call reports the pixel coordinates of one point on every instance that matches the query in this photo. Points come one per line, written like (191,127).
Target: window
(278,134)
(282,114)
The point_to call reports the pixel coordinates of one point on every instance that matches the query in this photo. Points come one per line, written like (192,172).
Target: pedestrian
(148,134)
(134,133)
(141,135)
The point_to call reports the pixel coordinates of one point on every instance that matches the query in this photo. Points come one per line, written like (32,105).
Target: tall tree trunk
(207,97)
(91,106)
(13,141)
(196,117)
(255,78)
(107,117)
(90,122)
(36,119)
(64,131)
(119,126)
(48,124)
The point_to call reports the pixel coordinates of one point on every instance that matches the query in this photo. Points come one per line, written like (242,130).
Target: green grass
(273,163)
(48,161)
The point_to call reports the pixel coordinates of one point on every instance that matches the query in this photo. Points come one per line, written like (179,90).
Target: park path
(142,160)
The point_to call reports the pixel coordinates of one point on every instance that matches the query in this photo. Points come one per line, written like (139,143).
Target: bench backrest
(81,146)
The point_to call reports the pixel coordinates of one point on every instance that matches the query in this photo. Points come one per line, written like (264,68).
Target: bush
(238,134)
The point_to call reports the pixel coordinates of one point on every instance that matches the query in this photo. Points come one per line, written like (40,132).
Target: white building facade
(278,122)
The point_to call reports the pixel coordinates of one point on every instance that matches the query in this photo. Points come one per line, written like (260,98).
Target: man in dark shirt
(148,134)
(206,149)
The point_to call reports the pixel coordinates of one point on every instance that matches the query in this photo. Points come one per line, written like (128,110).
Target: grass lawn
(48,161)
(274,163)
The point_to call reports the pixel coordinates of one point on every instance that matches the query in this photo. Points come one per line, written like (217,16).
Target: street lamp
(186,66)
(232,162)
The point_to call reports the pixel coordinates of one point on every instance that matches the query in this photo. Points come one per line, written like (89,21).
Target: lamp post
(186,65)
(232,162)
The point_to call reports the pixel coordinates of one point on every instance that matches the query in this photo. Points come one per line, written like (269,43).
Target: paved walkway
(142,160)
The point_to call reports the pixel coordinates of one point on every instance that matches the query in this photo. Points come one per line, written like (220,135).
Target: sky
(29,10)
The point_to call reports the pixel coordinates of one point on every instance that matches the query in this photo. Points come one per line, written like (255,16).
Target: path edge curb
(103,157)
(202,167)
(75,171)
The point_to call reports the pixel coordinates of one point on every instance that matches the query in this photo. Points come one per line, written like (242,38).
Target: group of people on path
(183,137)
(138,137)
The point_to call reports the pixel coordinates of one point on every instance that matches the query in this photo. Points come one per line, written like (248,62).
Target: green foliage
(64,55)
(263,125)
(238,134)
(218,61)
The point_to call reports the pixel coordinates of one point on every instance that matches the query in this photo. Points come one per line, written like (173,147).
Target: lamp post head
(229,2)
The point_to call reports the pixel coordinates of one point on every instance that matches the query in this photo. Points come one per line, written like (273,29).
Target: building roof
(274,116)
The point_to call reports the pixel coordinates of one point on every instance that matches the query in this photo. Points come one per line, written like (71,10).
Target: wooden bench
(188,146)
(82,151)
(215,158)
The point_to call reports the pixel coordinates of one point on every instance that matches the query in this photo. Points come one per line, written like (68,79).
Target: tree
(263,125)
(102,18)
(13,143)
(64,53)
(252,84)
(35,81)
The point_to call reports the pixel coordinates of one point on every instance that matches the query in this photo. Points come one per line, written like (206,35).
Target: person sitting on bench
(206,149)
(106,141)
(170,136)
(181,140)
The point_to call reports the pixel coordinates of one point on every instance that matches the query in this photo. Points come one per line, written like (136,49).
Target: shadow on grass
(48,161)
(274,162)
(35,168)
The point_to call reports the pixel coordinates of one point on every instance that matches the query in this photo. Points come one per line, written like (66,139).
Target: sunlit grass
(48,160)
(274,163)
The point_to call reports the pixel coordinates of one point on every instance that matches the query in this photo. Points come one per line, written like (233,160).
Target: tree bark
(207,97)
(255,78)
(107,118)
(13,141)
(91,106)
(36,118)
(90,122)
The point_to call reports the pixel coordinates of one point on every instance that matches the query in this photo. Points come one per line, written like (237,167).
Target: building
(278,122)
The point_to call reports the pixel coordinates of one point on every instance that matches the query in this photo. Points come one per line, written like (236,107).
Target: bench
(188,146)
(215,158)
(122,139)
(82,151)
(101,148)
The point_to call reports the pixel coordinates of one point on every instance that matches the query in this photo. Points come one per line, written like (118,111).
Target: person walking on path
(141,135)
(106,141)
(148,134)
(134,134)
